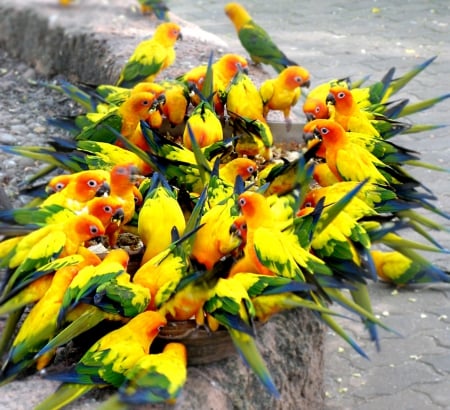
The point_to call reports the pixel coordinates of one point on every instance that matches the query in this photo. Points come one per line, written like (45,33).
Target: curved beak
(330,99)
(118,216)
(310,117)
(306,84)
(103,190)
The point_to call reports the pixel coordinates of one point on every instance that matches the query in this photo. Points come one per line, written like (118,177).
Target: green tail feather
(64,395)
(83,323)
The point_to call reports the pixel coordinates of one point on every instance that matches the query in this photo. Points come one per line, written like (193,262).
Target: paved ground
(412,371)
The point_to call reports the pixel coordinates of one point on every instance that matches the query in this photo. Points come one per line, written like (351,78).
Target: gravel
(24,107)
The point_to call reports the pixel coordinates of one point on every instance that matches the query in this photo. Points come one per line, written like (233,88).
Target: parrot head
(315,109)
(231,64)
(295,76)
(341,98)
(237,14)
(168,33)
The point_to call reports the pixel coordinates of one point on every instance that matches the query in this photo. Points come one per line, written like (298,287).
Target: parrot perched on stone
(46,244)
(40,325)
(269,249)
(245,108)
(283,92)
(223,71)
(159,214)
(151,56)
(155,378)
(107,360)
(88,279)
(255,39)
(124,119)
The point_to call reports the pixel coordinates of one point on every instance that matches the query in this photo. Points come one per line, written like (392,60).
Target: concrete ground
(412,370)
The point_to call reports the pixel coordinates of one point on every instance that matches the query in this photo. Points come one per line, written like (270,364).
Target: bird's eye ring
(341,94)
(59,186)
(92,183)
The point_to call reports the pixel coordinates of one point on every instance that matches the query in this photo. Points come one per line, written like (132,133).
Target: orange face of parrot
(296,76)
(58,183)
(106,209)
(329,131)
(315,109)
(248,202)
(88,185)
(87,227)
(168,33)
(341,98)
(232,63)
(141,103)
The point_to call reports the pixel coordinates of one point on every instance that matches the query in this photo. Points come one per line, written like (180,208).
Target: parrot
(31,293)
(232,307)
(245,108)
(270,250)
(155,378)
(158,7)
(244,167)
(344,245)
(176,101)
(223,71)
(337,148)
(88,279)
(46,244)
(123,179)
(115,299)
(192,291)
(151,56)
(107,360)
(163,273)
(205,125)
(274,294)
(124,119)
(398,269)
(283,92)
(79,189)
(214,241)
(157,217)
(255,39)
(40,325)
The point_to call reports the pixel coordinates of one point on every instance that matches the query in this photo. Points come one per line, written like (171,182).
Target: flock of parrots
(230,235)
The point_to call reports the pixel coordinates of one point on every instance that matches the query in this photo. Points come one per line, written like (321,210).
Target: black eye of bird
(92,183)
(107,209)
(341,94)
(93,229)
(250,169)
(60,186)
(242,202)
(324,131)
(298,80)
(145,102)
(317,109)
